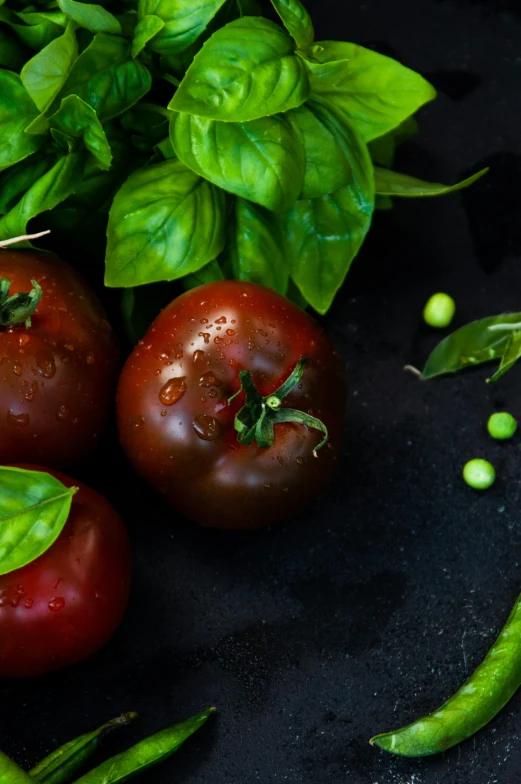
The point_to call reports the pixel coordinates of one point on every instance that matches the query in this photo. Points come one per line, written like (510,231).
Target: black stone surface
(373,606)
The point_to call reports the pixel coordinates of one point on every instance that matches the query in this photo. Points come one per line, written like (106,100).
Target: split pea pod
(62,765)
(11,773)
(149,752)
(483,695)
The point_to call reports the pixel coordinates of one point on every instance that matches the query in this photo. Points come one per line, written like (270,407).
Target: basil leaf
(475,343)
(261,160)
(52,188)
(246,70)
(183,22)
(15,181)
(376,91)
(34,507)
(390,183)
(510,357)
(327,149)
(147,119)
(107,78)
(92,17)
(207,274)
(165,222)
(45,74)
(12,55)
(257,248)
(296,20)
(36,30)
(17,111)
(146,29)
(324,235)
(77,120)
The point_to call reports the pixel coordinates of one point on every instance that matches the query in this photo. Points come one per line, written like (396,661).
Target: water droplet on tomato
(212,393)
(24,339)
(18,420)
(29,603)
(17,369)
(206,427)
(268,485)
(63,413)
(204,321)
(164,412)
(205,336)
(90,358)
(157,372)
(172,391)
(56,604)
(209,379)
(198,355)
(230,332)
(45,364)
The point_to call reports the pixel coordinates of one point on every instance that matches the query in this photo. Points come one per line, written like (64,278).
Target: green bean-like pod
(11,773)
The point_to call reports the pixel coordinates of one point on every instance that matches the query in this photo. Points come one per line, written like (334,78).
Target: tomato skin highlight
(58,376)
(177,428)
(67,604)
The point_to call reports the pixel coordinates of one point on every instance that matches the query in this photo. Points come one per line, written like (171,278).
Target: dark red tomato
(178,429)
(67,604)
(57,377)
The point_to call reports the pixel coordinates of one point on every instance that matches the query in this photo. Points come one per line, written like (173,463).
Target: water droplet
(164,412)
(31,392)
(268,485)
(172,391)
(217,339)
(198,355)
(69,347)
(230,332)
(90,358)
(207,428)
(205,336)
(24,339)
(17,369)
(157,372)
(204,321)
(29,603)
(209,379)
(63,413)
(221,320)
(56,604)
(212,393)
(45,364)
(18,420)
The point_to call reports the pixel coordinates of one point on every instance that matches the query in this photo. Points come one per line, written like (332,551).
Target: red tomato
(66,604)
(178,429)
(57,376)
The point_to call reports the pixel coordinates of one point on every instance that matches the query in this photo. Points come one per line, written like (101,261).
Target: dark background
(373,606)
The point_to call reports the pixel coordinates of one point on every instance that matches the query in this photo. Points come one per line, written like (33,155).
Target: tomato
(66,604)
(57,376)
(177,426)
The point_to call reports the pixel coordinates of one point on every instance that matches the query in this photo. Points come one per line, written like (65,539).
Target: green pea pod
(63,764)
(10,773)
(487,690)
(144,755)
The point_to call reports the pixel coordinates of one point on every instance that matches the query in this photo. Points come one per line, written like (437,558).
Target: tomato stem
(18,308)
(256,419)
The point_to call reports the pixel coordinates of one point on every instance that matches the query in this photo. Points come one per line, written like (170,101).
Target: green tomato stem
(18,308)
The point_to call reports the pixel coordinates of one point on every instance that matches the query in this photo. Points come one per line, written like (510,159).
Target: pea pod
(483,695)
(63,764)
(145,754)
(10,773)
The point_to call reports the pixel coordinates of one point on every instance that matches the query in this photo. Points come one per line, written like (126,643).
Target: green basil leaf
(147,119)
(15,181)
(296,20)
(390,183)
(246,70)
(510,357)
(327,148)
(107,78)
(261,160)
(257,248)
(78,120)
(36,30)
(17,111)
(146,29)
(475,343)
(375,91)
(183,22)
(324,235)
(45,74)
(165,222)
(92,17)
(34,507)
(207,274)
(52,188)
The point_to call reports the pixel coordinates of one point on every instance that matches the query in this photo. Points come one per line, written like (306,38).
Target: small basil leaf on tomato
(90,16)
(45,73)
(246,70)
(145,31)
(257,247)
(17,111)
(475,343)
(79,122)
(391,183)
(181,27)
(324,235)
(34,507)
(296,20)
(165,222)
(261,160)
(46,193)
(377,92)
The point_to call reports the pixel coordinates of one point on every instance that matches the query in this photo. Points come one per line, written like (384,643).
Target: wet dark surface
(373,606)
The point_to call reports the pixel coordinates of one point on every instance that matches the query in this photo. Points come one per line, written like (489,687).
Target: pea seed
(479,474)
(439,310)
(502,425)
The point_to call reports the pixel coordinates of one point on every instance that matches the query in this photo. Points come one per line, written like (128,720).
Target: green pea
(479,474)
(502,425)
(439,310)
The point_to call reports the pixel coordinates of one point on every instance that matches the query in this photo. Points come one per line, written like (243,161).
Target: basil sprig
(206,140)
